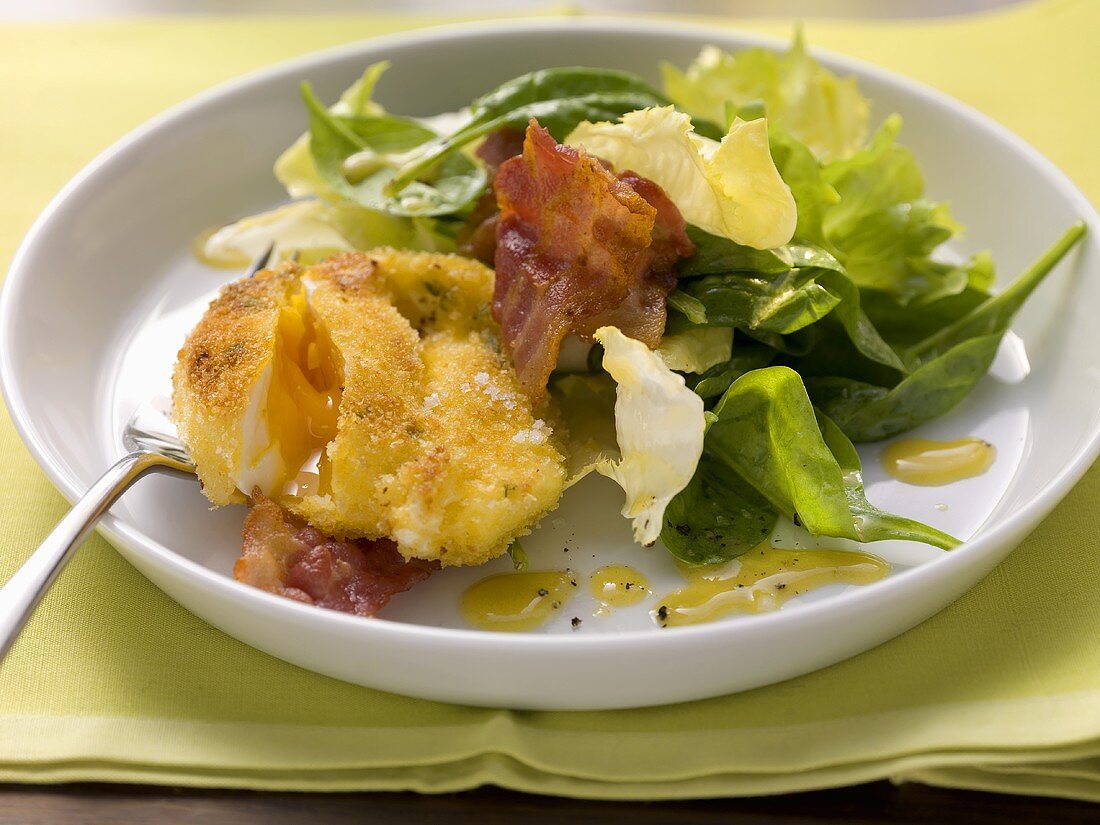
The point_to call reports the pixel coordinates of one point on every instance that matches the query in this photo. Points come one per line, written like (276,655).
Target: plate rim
(118,532)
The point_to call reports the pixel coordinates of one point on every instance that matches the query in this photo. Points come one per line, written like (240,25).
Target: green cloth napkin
(113,681)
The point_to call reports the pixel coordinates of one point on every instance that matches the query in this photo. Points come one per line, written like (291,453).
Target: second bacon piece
(578,248)
(283,555)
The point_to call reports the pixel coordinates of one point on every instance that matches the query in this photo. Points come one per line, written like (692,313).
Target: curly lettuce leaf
(315,229)
(868,210)
(827,113)
(729,188)
(813,195)
(886,233)
(304,225)
(659,427)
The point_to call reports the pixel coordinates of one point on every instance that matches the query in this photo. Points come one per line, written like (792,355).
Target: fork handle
(21,593)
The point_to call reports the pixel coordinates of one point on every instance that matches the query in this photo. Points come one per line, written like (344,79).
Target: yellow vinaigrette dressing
(618,585)
(516,601)
(762,580)
(931,463)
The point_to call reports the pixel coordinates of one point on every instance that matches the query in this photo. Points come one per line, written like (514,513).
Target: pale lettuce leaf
(315,229)
(885,233)
(827,113)
(299,226)
(696,349)
(729,188)
(659,427)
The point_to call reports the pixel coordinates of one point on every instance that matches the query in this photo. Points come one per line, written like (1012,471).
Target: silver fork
(152,447)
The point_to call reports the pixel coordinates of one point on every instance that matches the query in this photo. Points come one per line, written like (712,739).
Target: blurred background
(99,9)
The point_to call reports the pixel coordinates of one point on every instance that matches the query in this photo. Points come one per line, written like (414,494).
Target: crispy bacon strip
(283,555)
(499,146)
(578,248)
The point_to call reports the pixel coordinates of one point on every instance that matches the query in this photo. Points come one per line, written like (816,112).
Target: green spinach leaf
(861,332)
(767,432)
(557,116)
(746,356)
(797,344)
(717,517)
(555,84)
(558,99)
(871,523)
(834,354)
(336,138)
(780,303)
(518,556)
(945,366)
(692,309)
(903,325)
(993,315)
(870,413)
(715,255)
(776,292)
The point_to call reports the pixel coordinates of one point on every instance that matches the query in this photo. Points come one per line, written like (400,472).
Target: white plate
(104,288)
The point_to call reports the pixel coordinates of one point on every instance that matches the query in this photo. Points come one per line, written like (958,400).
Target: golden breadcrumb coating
(382,395)
(437,446)
(216,369)
(481,418)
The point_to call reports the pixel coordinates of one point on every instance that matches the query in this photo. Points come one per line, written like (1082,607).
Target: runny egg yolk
(303,403)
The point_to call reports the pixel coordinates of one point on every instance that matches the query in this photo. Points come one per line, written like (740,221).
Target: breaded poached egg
(368,395)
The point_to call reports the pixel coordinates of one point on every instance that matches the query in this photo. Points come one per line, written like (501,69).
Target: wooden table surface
(864,804)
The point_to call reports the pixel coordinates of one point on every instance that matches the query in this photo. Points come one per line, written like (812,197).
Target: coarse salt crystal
(534,436)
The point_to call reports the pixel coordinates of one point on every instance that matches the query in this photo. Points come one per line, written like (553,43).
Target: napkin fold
(112,681)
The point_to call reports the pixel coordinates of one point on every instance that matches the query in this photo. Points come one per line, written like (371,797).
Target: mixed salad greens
(801,331)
